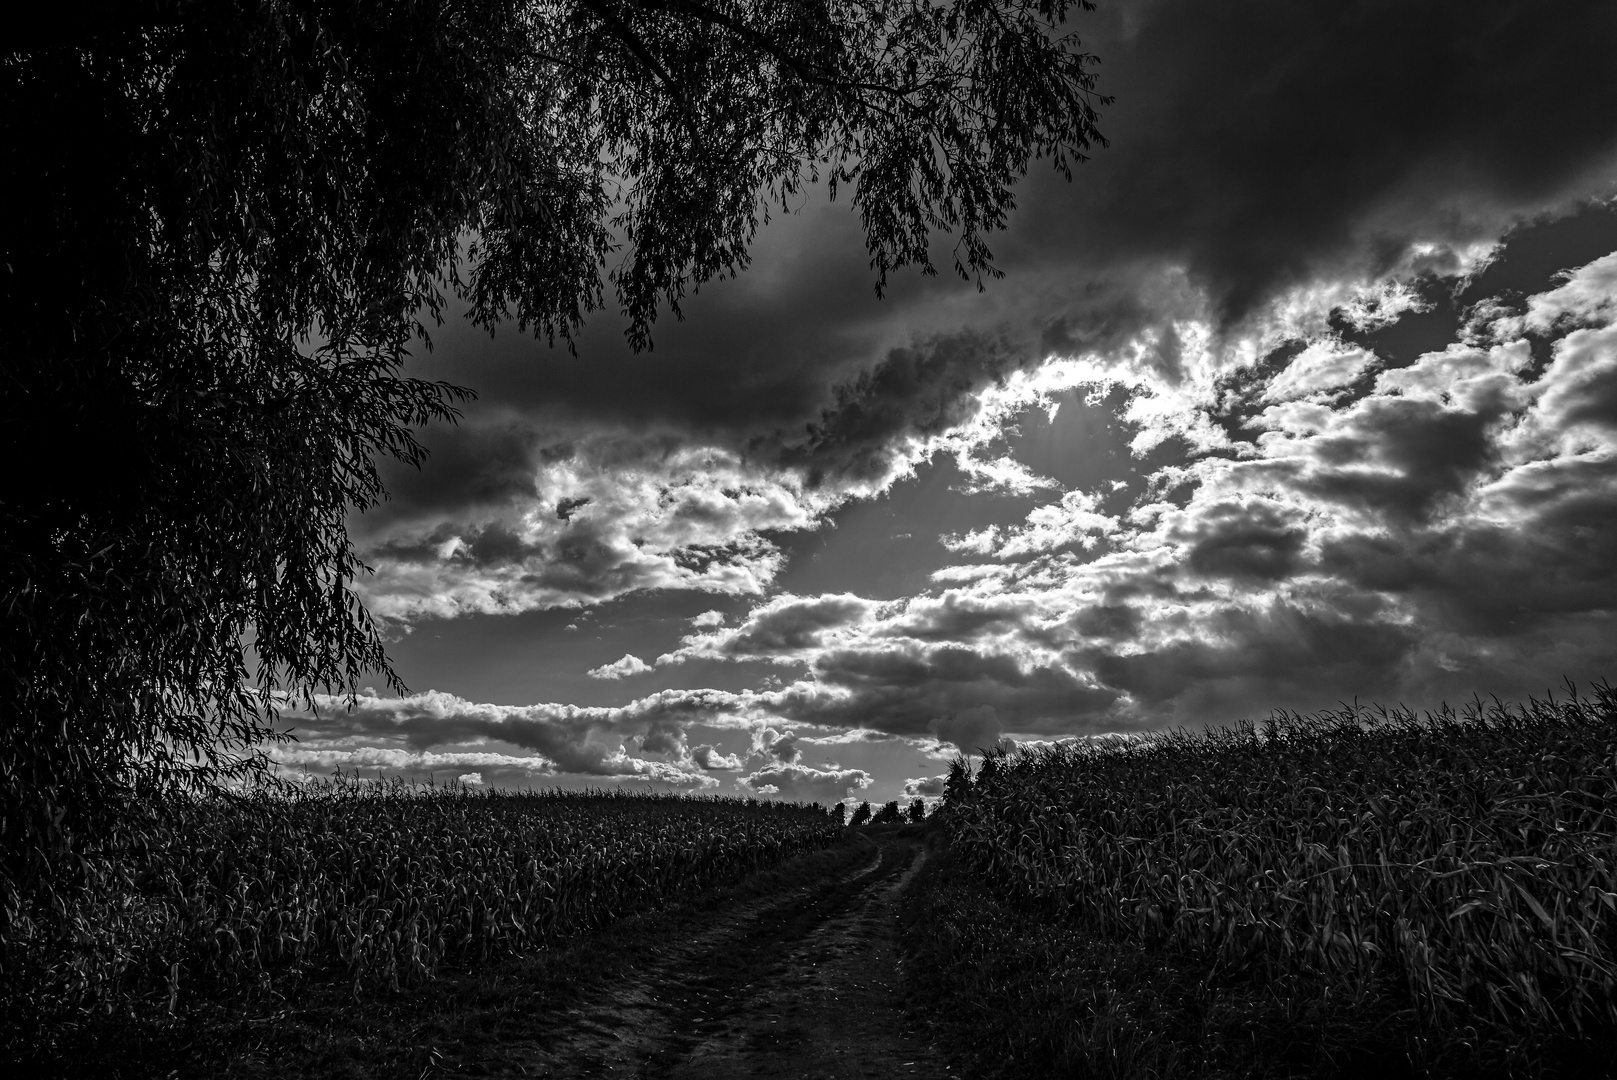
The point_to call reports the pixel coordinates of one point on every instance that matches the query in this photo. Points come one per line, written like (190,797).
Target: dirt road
(803,984)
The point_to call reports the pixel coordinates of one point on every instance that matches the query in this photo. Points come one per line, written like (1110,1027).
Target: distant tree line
(891,813)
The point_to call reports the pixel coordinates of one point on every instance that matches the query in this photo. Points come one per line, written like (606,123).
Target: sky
(1303,391)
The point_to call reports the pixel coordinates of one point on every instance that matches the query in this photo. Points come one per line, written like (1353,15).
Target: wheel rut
(802,985)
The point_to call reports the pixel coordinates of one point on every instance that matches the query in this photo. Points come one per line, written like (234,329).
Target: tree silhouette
(861,814)
(234,219)
(917,811)
(889,814)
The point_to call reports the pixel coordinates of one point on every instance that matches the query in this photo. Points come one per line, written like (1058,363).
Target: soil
(804,984)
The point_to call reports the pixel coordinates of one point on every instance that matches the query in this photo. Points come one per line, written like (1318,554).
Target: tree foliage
(233,219)
(889,814)
(861,814)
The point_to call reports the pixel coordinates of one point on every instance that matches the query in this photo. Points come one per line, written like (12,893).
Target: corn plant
(1471,854)
(380,885)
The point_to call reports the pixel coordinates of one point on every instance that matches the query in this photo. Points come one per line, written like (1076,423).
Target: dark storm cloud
(1243,659)
(1448,525)
(971,731)
(1261,142)
(1255,142)
(911,393)
(1479,583)
(1246,540)
(1494,581)
(1367,486)
(1401,458)
(1445,525)
(578,515)
(1255,146)
(487,463)
(1116,621)
(905,688)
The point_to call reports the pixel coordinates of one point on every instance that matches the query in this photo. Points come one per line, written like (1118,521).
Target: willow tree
(230,221)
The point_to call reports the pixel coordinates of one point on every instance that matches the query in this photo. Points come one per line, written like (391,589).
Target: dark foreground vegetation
(1348,894)
(499,1017)
(1353,893)
(368,888)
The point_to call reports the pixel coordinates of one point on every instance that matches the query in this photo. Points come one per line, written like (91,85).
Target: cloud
(952,616)
(784,629)
(1243,200)
(925,786)
(1075,520)
(1587,296)
(1577,404)
(620,669)
(601,516)
(1322,510)
(1236,153)
(438,731)
(399,760)
(1254,539)
(1237,172)
(933,396)
(775,745)
(804,783)
(499,768)
(971,730)
(1320,368)
(712,759)
(1425,528)
(902,687)
(1420,529)
(1400,537)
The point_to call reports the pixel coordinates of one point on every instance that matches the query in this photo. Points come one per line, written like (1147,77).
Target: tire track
(804,985)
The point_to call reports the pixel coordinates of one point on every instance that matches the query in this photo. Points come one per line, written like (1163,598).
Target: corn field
(381,885)
(1471,855)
